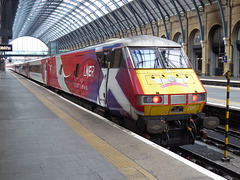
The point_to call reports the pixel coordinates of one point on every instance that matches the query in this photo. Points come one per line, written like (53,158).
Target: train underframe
(174,130)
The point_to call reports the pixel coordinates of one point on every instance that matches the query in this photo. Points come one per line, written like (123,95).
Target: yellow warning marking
(226,129)
(225,154)
(125,165)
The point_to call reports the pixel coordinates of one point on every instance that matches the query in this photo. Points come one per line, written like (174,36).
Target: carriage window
(60,70)
(35,68)
(146,58)
(118,59)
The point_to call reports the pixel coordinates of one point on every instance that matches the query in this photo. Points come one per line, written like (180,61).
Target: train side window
(107,58)
(46,67)
(99,57)
(118,59)
(104,58)
(76,71)
(60,70)
(110,57)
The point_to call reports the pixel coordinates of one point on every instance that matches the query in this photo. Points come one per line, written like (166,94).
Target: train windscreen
(159,58)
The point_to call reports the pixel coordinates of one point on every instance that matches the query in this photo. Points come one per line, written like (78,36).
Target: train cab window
(118,60)
(60,70)
(174,58)
(76,70)
(146,58)
(159,58)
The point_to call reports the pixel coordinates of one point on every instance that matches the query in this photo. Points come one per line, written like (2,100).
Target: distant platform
(220,80)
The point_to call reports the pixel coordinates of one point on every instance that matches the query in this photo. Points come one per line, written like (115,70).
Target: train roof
(133,41)
(145,40)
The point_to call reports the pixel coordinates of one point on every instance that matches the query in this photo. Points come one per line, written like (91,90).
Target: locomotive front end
(172,96)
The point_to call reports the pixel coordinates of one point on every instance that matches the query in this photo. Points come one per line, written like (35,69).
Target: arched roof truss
(83,22)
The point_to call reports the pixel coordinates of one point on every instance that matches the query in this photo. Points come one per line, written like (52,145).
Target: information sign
(5,47)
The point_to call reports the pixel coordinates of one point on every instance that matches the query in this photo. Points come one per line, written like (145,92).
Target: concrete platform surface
(45,137)
(216,96)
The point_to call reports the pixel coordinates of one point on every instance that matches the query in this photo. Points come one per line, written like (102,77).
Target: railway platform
(220,80)
(43,136)
(216,87)
(216,96)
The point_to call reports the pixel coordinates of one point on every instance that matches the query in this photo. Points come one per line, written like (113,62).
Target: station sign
(5,47)
(224,59)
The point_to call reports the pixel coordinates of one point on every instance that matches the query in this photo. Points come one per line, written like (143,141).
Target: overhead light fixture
(200,8)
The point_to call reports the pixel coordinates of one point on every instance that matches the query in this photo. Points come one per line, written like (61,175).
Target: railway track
(221,144)
(207,163)
(232,132)
(220,112)
(216,138)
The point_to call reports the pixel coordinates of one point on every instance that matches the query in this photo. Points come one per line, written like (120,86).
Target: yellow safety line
(125,165)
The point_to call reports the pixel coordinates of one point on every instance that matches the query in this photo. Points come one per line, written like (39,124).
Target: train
(146,82)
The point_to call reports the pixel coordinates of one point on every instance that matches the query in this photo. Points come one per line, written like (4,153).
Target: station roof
(82,21)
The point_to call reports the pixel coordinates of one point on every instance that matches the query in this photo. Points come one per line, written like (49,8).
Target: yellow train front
(168,97)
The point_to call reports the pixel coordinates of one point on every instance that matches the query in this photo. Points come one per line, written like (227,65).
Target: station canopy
(71,22)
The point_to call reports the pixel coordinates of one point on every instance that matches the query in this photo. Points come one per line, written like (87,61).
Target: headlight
(194,98)
(153,100)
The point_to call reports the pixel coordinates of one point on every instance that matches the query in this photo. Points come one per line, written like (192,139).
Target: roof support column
(225,28)
(199,20)
(163,18)
(180,21)
(226,37)
(134,13)
(144,8)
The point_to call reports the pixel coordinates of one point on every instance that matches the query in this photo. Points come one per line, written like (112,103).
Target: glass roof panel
(98,13)
(98,4)
(88,11)
(47,16)
(88,18)
(93,16)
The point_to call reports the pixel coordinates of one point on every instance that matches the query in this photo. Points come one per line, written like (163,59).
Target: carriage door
(45,72)
(104,62)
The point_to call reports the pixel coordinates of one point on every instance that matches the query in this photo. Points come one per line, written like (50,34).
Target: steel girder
(224,22)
